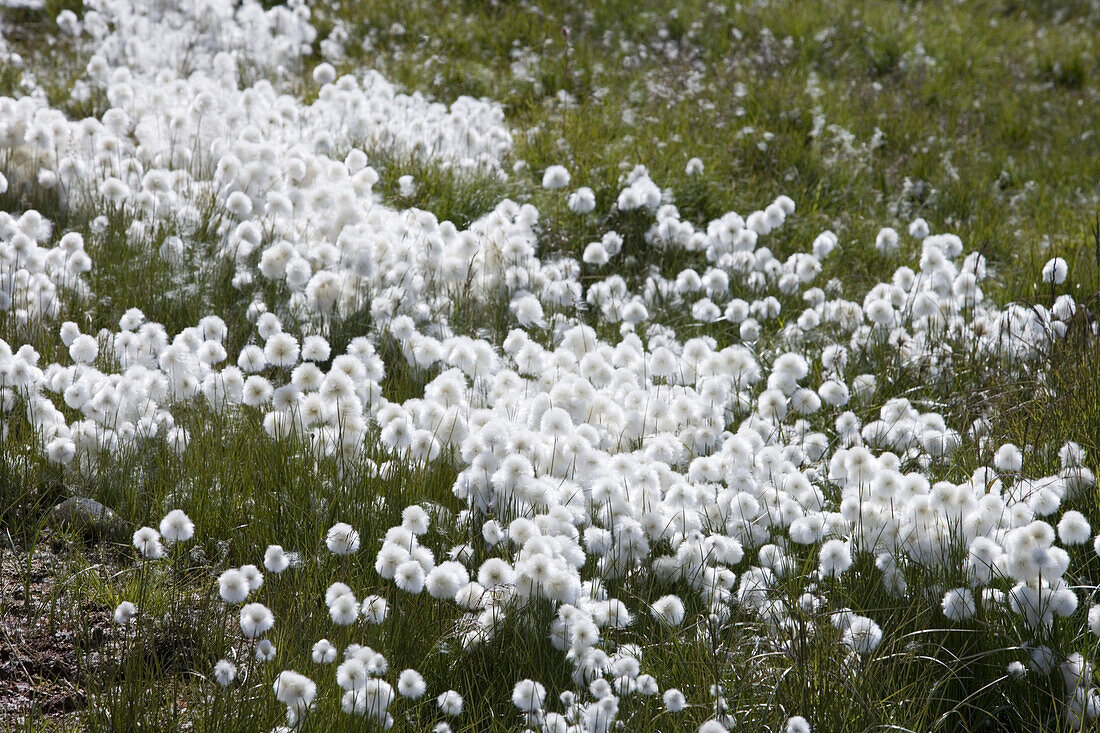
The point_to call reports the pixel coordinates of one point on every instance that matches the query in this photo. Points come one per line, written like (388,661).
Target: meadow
(538,365)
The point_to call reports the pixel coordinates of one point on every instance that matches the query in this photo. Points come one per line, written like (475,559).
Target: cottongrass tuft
(958,604)
(1055,271)
(275,559)
(342,539)
(233,586)
(528,695)
(797,724)
(147,542)
(674,700)
(256,620)
(669,609)
(294,690)
(324,652)
(835,558)
(225,672)
(450,703)
(411,684)
(555,176)
(177,527)
(125,612)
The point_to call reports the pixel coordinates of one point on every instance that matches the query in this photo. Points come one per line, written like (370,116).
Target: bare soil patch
(39,665)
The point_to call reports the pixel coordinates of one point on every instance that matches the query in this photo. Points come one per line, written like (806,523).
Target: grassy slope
(997,138)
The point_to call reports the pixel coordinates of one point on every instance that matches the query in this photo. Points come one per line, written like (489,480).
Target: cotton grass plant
(572,445)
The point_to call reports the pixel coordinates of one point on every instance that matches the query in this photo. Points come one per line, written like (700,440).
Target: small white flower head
(125,613)
(406,186)
(177,527)
(268,324)
(211,328)
(1075,670)
(694,167)
(147,542)
(772,404)
(324,73)
(233,586)
(958,604)
(1055,271)
(669,609)
(674,700)
(1074,529)
(342,539)
(493,533)
(918,228)
(528,695)
(374,609)
(131,319)
(265,651)
(863,635)
(471,596)
(864,385)
(1008,458)
(84,349)
(835,557)
(1016,669)
(281,350)
(824,244)
(251,359)
(256,620)
(494,572)
(336,590)
(344,610)
(595,253)
(114,190)
(275,559)
(647,685)
(582,201)
(410,684)
(294,690)
(238,204)
(252,576)
(69,331)
(887,241)
(415,519)
(1094,621)
(324,652)
(352,674)
(446,579)
(1071,455)
(409,576)
(450,703)
(554,177)
(797,724)
(315,348)
(225,672)
(528,310)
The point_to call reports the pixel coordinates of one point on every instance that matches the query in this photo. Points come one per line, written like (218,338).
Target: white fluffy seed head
(554,177)
(177,526)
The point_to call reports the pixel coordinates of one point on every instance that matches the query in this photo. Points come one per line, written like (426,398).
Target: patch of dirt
(38,658)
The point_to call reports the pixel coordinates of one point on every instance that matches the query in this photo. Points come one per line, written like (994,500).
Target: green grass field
(980,117)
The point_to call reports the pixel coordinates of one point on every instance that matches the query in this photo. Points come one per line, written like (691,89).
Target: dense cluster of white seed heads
(580,460)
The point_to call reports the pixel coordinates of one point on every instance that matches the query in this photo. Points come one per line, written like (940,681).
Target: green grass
(995,141)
